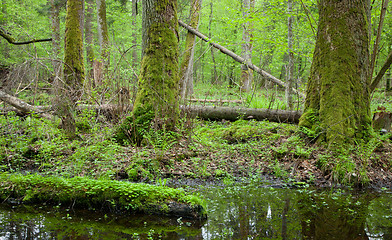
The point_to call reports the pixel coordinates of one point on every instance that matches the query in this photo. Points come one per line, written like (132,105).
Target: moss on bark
(338,88)
(158,80)
(73,55)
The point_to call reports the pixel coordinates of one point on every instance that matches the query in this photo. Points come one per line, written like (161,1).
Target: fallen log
(236,113)
(23,106)
(214,100)
(203,112)
(236,57)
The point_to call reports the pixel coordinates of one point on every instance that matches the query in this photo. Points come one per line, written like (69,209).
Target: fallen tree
(236,57)
(203,112)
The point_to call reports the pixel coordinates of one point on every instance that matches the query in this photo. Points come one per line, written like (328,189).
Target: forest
(113,98)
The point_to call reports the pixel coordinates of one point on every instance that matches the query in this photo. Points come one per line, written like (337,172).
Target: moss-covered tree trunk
(70,89)
(337,106)
(73,53)
(89,40)
(55,19)
(156,103)
(103,38)
(186,69)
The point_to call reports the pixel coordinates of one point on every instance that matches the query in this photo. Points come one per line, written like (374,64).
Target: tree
(103,38)
(290,67)
(156,103)
(69,91)
(186,69)
(337,106)
(89,40)
(246,73)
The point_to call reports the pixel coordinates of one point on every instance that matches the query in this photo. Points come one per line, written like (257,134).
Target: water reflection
(238,212)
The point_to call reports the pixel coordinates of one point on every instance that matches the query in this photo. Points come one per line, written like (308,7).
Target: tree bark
(103,37)
(69,91)
(134,37)
(214,75)
(236,57)
(186,69)
(156,103)
(338,95)
(246,73)
(55,19)
(89,40)
(290,70)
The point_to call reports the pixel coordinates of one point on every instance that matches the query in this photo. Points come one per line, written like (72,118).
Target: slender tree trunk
(89,40)
(290,67)
(214,74)
(103,37)
(246,73)
(134,37)
(337,105)
(186,69)
(55,18)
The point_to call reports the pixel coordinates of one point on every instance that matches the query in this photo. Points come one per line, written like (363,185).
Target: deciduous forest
(115,99)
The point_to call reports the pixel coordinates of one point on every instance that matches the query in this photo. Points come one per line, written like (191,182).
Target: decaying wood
(235,113)
(382,120)
(236,57)
(23,106)
(214,100)
(203,112)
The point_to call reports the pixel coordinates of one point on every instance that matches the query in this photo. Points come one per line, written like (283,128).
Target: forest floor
(223,151)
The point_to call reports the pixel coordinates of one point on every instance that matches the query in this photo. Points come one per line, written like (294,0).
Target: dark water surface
(252,211)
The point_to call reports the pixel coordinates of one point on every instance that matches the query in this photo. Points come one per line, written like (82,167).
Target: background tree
(186,68)
(102,66)
(337,104)
(246,73)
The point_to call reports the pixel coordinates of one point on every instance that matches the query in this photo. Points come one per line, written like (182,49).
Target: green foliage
(83,191)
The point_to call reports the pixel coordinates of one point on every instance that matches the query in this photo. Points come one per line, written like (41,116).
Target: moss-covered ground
(224,151)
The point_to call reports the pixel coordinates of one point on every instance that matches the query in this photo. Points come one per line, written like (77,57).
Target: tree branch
(236,57)
(11,40)
(381,73)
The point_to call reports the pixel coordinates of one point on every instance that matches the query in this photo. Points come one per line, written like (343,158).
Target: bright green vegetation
(59,222)
(116,195)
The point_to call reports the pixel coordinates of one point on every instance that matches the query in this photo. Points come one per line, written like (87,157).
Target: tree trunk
(338,96)
(246,73)
(70,91)
(103,37)
(214,74)
(156,103)
(55,18)
(134,38)
(290,67)
(89,40)
(186,69)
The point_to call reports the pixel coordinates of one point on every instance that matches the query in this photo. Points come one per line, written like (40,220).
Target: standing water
(238,212)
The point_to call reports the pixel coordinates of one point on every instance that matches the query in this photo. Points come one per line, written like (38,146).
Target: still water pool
(250,211)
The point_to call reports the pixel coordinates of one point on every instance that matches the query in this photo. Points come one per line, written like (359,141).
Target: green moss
(338,89)
(122,196)
(73,55)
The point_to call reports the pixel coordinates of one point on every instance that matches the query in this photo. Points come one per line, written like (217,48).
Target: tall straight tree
(290,67)
(70,91)
(246,73)
(156,103)
(186,69)
(89,39)
(337,102)
(103,38)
